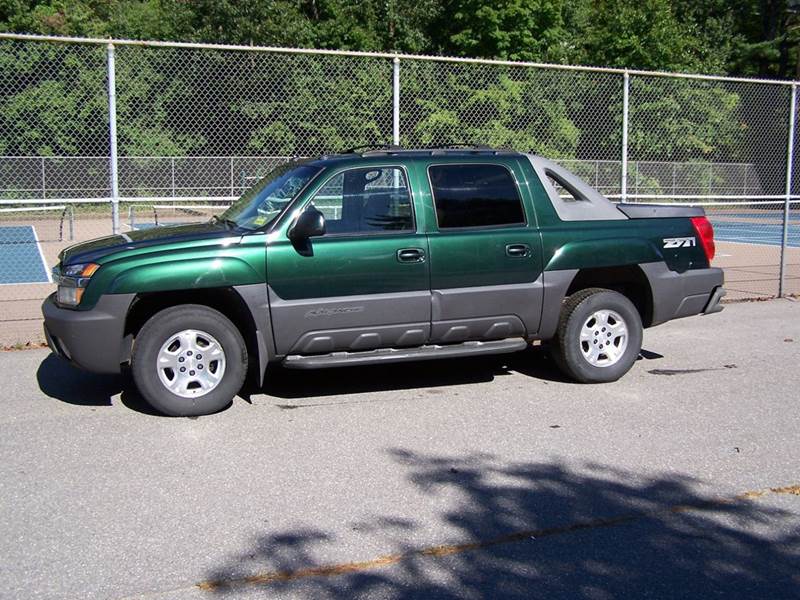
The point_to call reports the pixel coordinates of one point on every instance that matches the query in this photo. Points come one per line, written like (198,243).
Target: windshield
(262,203)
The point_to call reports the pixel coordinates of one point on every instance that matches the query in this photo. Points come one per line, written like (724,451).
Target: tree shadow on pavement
(534,530)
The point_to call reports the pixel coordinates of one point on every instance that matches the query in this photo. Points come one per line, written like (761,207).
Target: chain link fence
(171,133)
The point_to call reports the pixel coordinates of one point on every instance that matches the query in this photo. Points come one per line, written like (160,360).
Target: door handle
(411,255)
(518,250)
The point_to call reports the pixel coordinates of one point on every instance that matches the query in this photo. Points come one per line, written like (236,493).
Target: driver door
(362,285)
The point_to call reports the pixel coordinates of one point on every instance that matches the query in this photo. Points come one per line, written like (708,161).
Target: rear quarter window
(475,195)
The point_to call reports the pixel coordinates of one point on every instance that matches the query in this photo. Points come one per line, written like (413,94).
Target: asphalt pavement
(476,478)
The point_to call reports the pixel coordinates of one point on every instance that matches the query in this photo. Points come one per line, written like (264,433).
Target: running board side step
(392,355)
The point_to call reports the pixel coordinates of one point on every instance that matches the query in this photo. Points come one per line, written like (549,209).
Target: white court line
(747,240)
(41,255)
(737,241)
(750,235)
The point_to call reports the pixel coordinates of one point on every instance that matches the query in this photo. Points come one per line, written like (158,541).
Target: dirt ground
(751,270)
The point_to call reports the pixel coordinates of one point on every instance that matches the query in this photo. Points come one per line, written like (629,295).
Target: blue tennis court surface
(152,225)
(22,259)
(768,234)
(142,226)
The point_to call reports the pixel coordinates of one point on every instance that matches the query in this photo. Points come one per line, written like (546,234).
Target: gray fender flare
(257,301)
(556,284)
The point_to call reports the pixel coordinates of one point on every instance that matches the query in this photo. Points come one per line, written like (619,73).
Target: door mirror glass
(310,223)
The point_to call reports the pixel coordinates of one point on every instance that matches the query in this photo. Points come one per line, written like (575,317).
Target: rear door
(485,252)
(362,285)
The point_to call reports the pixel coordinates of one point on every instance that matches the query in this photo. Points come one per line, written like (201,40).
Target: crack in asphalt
(688,371)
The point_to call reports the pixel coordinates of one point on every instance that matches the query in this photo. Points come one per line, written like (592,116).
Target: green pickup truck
(382,256)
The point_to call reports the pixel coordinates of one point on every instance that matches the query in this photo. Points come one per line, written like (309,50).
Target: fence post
(744,192)
(232,180)
(710,177)
(674,177)
(396,101)
(786,202)
(625,87)
(112,138)
(44,185)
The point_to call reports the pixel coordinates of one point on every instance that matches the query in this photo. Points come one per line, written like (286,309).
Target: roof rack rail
(372,147)
(387,149)
(457,146)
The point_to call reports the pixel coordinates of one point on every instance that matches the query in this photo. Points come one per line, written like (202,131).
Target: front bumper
(92,339)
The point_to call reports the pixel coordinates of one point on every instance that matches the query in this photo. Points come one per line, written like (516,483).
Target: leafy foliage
(181,102)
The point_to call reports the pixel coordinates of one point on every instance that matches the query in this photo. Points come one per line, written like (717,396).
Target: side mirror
(310,223)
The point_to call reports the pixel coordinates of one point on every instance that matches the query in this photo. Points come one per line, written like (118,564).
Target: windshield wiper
(230,223)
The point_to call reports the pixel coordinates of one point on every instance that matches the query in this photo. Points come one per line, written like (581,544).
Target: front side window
(475,196)
(368,200)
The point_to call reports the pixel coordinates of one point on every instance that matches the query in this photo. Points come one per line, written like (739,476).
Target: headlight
(72,279)
(79,270)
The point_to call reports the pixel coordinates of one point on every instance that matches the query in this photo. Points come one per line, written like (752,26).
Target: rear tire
(189,360)
(599,336)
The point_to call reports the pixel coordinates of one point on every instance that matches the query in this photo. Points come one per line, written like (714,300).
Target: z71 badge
(684,242)
(335,310)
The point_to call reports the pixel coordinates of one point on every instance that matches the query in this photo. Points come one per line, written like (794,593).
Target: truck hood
(95,250)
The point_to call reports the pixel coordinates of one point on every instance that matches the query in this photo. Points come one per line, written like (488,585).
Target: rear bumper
(713,305)
(677,295)
(90,339)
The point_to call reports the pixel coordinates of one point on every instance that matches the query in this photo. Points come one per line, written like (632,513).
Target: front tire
(599,336)
(189,360)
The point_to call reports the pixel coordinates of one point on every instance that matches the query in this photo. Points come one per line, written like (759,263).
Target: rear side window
(475,196)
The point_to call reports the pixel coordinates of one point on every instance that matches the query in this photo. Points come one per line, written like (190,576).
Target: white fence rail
(41,178)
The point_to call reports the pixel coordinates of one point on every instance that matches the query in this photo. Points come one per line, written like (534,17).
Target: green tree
(530,30)
(768,40)
(509,107)
(53,100)
(641,34)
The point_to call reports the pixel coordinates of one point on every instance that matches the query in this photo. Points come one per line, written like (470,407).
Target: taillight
(705,231)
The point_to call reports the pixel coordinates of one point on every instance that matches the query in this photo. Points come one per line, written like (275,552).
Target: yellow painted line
(789,489)
(451,549)
(393,559)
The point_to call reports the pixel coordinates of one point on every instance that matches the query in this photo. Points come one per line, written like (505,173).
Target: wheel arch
(243,305)
(628,280)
